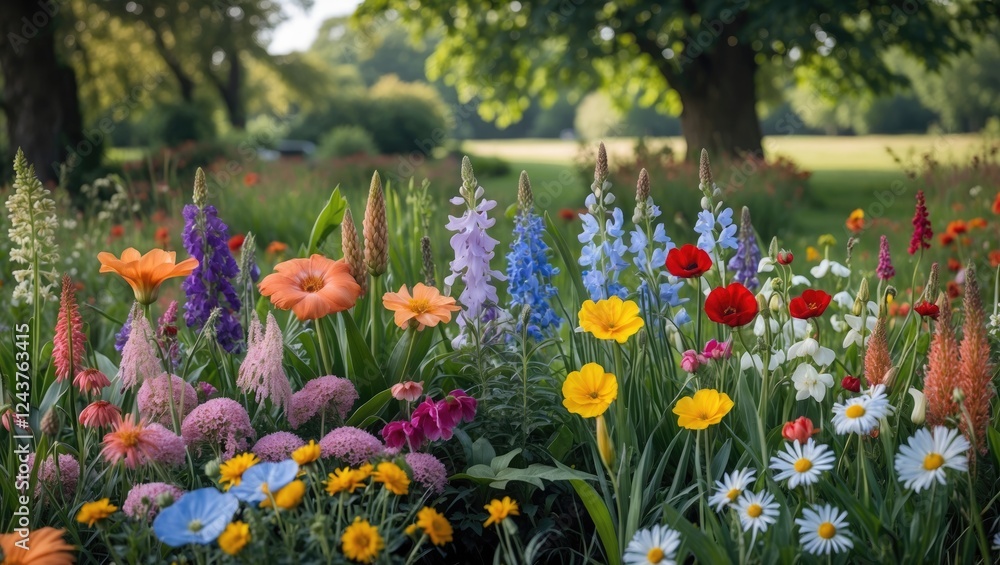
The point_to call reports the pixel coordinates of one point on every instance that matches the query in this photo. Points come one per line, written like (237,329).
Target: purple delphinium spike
(885,270)
(744,262)
(121,338)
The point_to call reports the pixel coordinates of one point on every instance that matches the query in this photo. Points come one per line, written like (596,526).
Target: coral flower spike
(426,307)
(312,288)
(145,273)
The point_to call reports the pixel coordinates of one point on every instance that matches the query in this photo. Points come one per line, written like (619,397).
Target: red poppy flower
(800,429)
(954,291)
(567,214)
(994,258)
(117,231)
(996,204)
(162,237)
(236,242)
(785,258)
(977,223)
(688,262)
(954,265)
(850,383)
(957,227)
(731,305)
(928,310)
(947,238)
(251,179)
(812,303)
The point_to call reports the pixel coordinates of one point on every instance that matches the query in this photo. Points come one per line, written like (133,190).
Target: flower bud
(827,240)
(762,306)
(919,413)
(957,396)
(212,469)
(850,383)
(772,248)
(706,204)
(200,189)
(785,257)
(776,302)
(604,446)
(50,423)
(800,429)
(164,499)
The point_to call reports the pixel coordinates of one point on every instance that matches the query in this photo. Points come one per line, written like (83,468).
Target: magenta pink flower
(143,501)
(139,361)
(69,334)
(461,406)
(277,446)
(261,372)
(691,361)
(100,414)
(885,270)
(90,381)
(399,433)
(922,233)
(409,391)
(330,396)
(220,423)
(717,350)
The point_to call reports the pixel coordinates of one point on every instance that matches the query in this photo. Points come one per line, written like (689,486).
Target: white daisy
(809,347)
(810,382)
(824,530)
(860,415)
(826,265)
(928,453)
(654,546)
(802,464)
(730,488)
(757,511)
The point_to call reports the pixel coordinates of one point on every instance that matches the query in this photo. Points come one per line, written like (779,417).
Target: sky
(299,30)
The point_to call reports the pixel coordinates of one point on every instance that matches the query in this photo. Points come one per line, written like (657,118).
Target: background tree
(698,58)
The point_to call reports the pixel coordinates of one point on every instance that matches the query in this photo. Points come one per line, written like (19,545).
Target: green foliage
(345,141)
(172,124)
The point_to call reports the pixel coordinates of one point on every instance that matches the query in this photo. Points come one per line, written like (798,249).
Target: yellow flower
(611,318)
(499,510)
(361,541)
(366,470)
(393,477)
(235,537)
(231,472)
(288,497)
(411,530)
(604,446)
(307,453)
(812,254)
(589,391)
(705,408)
(345,479)
(435,525)
(93,512)
(827,240)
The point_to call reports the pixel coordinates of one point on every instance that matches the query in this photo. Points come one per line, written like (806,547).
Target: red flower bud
(785,257)
(852,384)
(800,429)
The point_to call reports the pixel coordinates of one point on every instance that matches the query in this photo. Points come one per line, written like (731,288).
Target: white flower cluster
(33,224)
(111,208)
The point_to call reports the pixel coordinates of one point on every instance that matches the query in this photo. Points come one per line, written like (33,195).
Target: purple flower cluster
(221,423)
(153,398)
(428,471)
(171,449)
(351,445)
(121,338)
(885,270)
(143,501)
(744,263)
(431,421)
(330,395)
(166,335)
(277,446)
(210,285)
(58,479)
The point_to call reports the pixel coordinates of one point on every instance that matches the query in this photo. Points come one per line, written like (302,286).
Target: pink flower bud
(408,391)
(800,429)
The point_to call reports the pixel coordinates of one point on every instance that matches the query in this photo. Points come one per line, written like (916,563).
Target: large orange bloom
(425,308)
(145,273)
(312,288)
(47,547)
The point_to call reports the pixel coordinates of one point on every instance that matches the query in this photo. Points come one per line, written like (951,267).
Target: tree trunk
(719,95)
(231,90)
(40,96)
(183,80)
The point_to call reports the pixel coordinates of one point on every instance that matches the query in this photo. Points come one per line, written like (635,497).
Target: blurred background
(807,104)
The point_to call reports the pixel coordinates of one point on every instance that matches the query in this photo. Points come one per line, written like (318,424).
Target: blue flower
(198,517)
(264,478)
(529,274)
(705,227)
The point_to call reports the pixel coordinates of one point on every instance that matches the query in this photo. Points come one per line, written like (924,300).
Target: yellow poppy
(500,509)
(612,318)
(93,512)
(704,409)
(288,497)
(435,525)
(235,537)
(361,541)
(589,391)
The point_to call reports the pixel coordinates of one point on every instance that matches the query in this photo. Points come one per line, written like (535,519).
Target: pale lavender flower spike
(261,372)
(139,361)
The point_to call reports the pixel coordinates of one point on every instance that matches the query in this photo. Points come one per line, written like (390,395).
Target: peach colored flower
(312,288)
(100,414)
(426,307)
(145,273)
(409,391)
(130,440)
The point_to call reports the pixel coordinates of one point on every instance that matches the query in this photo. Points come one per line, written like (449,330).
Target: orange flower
(425,308)
(117,231)
(162,237)
(130,440)
(996,204)
(276,247)
(995,258)
(312,288)
(145,273)
(954,264)
(975,223)
(947,239)
(250,179)
(856,221)
(47,547)
(957,227)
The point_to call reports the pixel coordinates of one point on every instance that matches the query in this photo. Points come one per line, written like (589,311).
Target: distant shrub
(486,167)
(173,124)
(345,141)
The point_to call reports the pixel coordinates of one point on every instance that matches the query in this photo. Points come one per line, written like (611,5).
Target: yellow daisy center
(803,465)
(129,438)
(732,494)
(655,555)
(855,411)
(827,530)
(419,305)
(754,510)
(933,461)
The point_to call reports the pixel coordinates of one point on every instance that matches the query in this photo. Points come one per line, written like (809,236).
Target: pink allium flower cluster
(428,471)
(171,449)
(351,445)
(141,503)
(885,270)
(139,361)
(331,395)
(431,421)
(277,446)
(60,479)
(715,349)
(69,332)
(261,373)
(220,422)
(922,233)
(153,398)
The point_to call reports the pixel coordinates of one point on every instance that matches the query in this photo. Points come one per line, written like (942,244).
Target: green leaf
(421,345)
(569,258)
(371,409)
(482,452)
(328,220)
(503,461)
(365,371)
(561,443)
(601,517)
(704,549)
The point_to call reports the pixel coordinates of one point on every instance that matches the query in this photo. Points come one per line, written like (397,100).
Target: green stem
(325,364)
(412,333)
(376,322)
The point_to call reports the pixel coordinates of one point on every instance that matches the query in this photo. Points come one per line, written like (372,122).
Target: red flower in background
(928,310)
(957,227)
(117,231)
(996,204)
(276,247)
(922,232)
(811,304)
(162,237)
(947,238)
(567,214)
(688,262)
(731,305)
(236,242)
(954,265)
(850,383)
(954,291)
(995,258)
(976,223)
(251,179)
